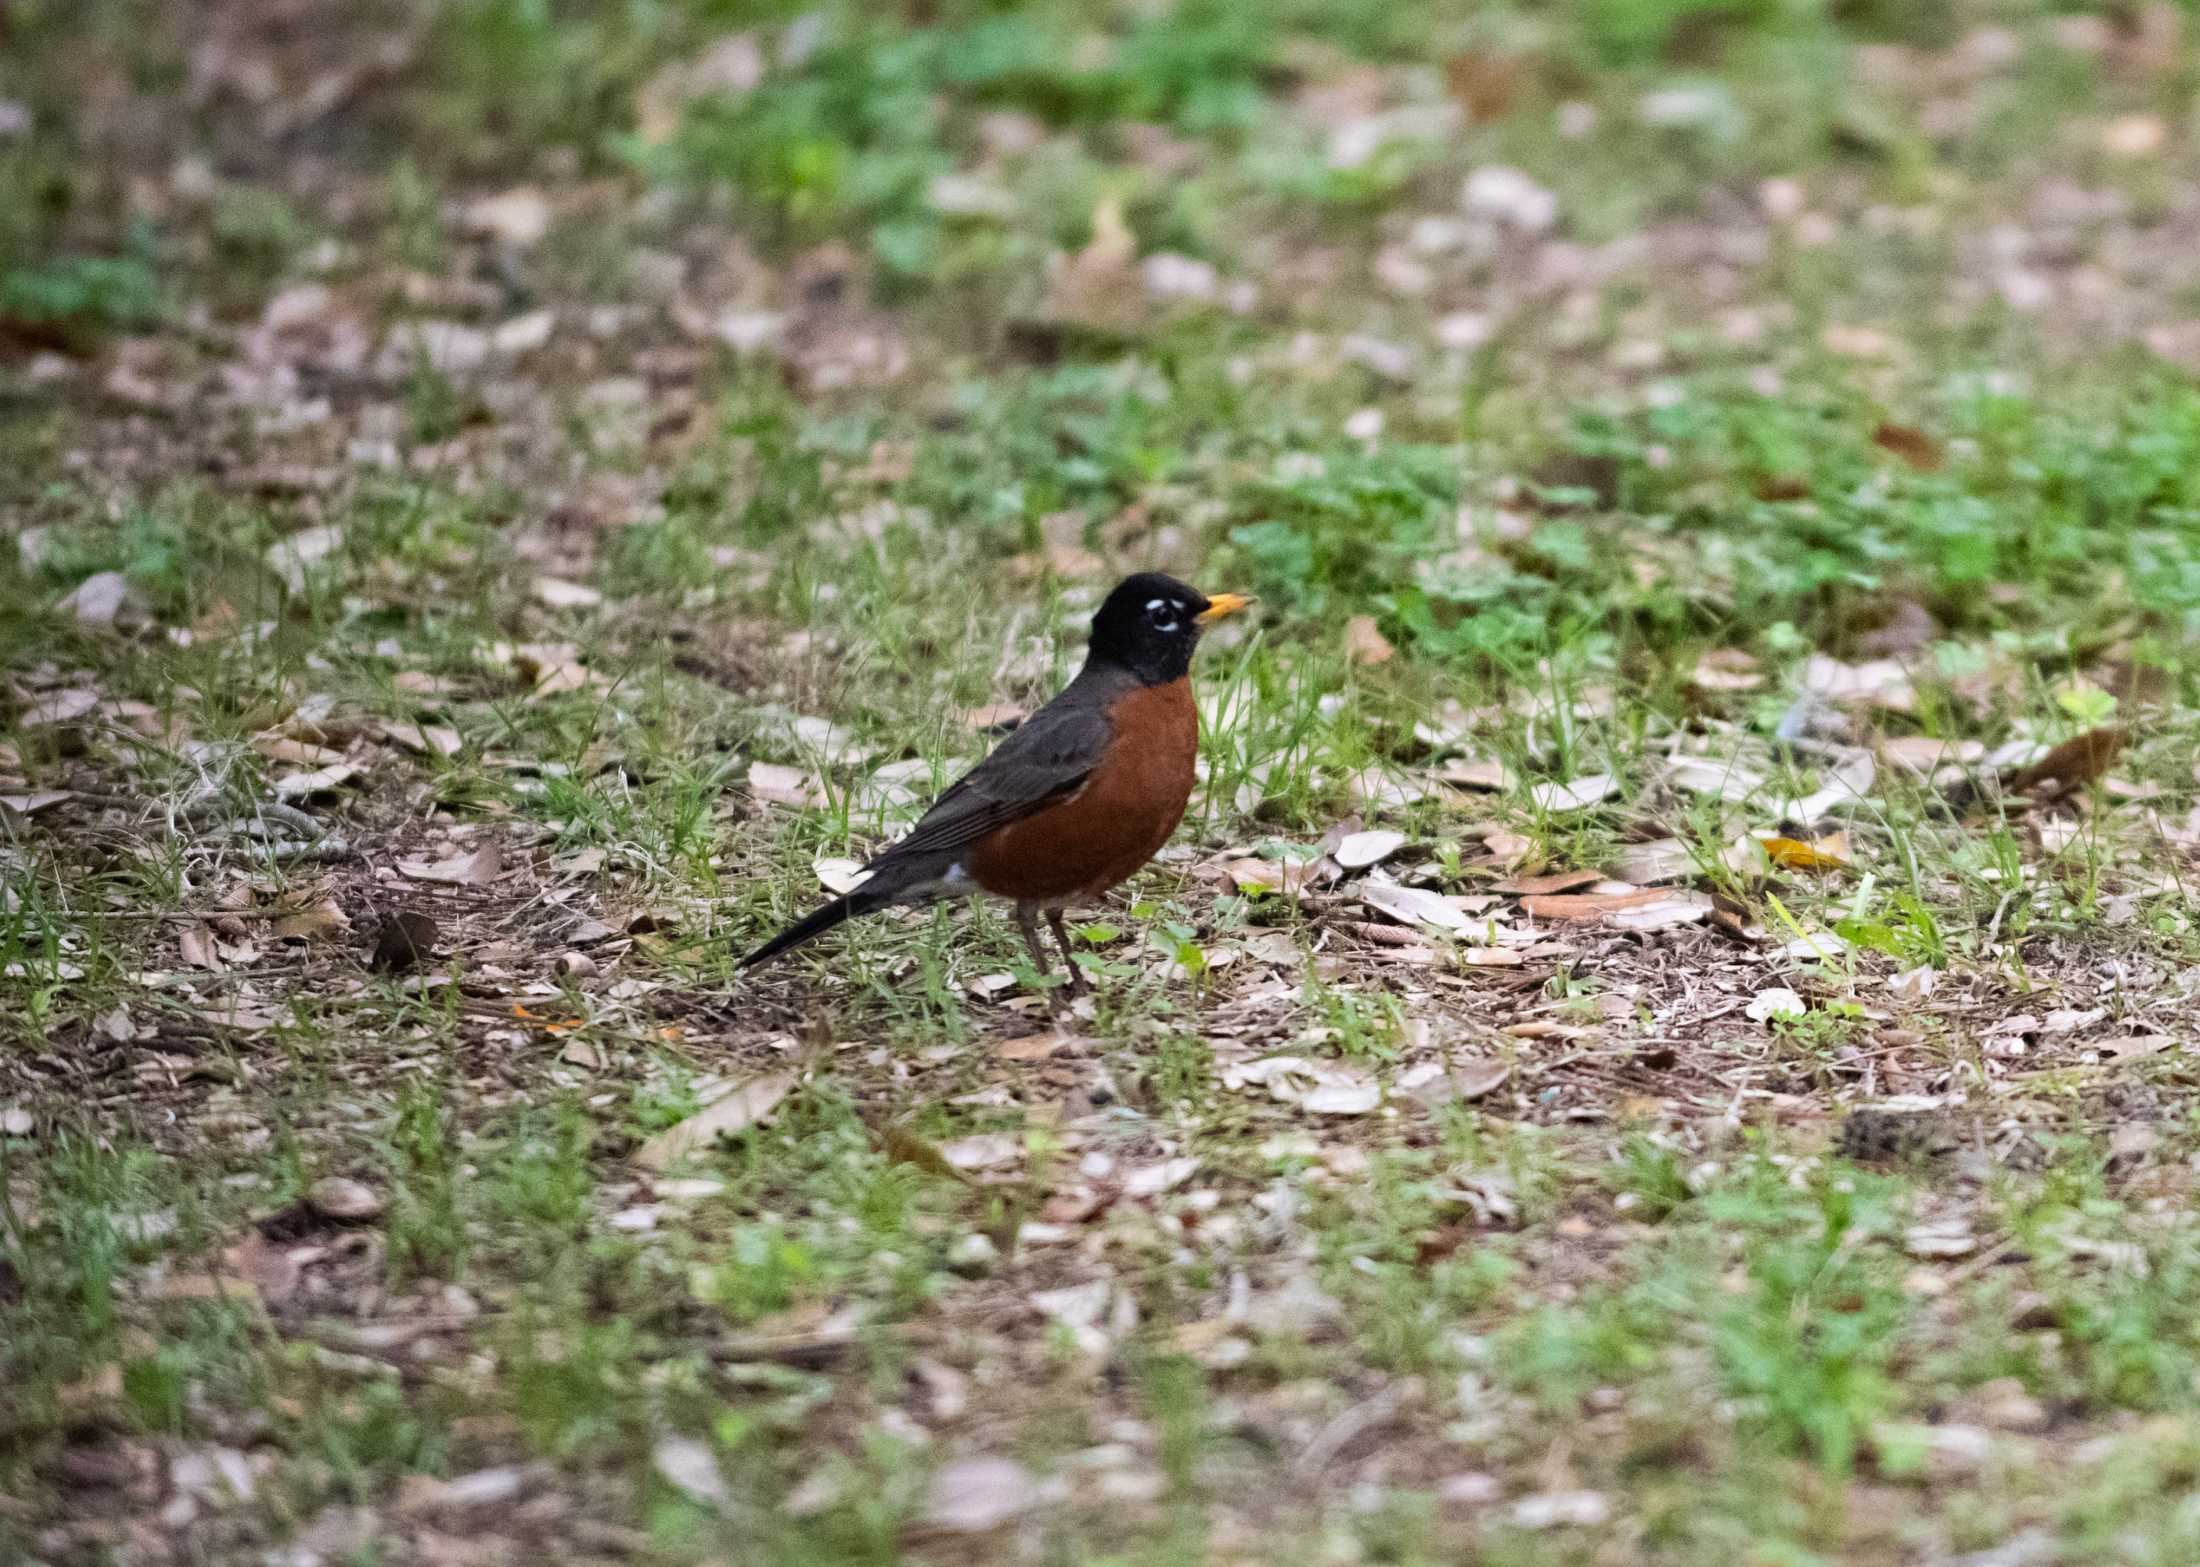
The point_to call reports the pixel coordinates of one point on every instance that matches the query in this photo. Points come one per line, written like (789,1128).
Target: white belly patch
(954,882)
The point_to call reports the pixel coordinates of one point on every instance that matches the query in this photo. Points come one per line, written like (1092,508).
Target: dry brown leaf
(406,939)
(552,668)
(1317,1086)
(1356,851)
(418,682)
(344,1200)
(1482,84)
(839,875)
(100,1390)
(1364,642)
(1940,1238)
(1278,948)
(1472,773)
(56,708)
(298,753)
(1671,908)
(558,679)
(1577,794)
(1904,627)
(422,739)
(1414,906)
(1589,905)
(2138,1048)
(1860,342)
(303,786)
(1881,682)
(199,948)
(993,715)
(1925,754)
(244,1015)
(751,1104)
(1849,778)
(296,559)
(1508,847)
(310,924)
(476,869)
(519,216)
(978,1495)
(1540,886)
(1778,1001)
(97,599)
(984,1151)
(2074,763)
(201,1286)
(456,1499)
(692,1468)
(40,800)
(1341,1099)
(1492,957)
(557,593)
(1470,1079)
(1100,286)
(1645,864)
(1914,984)
(2134,135)
(776,784)
(1727,669)
(1408,947)
(586,1054)
(1913,446)
(1033,1047)
(1285,876)
(730,67)
(1707,775)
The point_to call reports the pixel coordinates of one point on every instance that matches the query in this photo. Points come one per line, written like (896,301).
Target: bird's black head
(1151,622)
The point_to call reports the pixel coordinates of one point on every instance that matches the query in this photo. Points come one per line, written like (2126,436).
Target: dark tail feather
(816,924)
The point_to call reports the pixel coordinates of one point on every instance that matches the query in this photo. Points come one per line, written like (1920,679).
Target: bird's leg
(1077,985)
(1027,921)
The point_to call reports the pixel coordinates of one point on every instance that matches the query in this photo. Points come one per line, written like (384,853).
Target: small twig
(1993,926)
(1985,1259)
(191,916)
(809,1350)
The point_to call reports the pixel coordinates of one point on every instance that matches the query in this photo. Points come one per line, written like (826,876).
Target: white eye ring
(1164,626)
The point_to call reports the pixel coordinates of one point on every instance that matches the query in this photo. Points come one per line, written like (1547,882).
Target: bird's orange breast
(1116,821)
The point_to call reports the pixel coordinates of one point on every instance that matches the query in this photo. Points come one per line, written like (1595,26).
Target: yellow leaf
(1827,854)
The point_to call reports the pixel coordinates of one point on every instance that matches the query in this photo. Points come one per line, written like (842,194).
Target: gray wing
(1042,761)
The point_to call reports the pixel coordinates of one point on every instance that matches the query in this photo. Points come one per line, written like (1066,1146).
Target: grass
(1574,1262)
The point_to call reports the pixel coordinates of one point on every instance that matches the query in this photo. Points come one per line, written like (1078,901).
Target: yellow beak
(1220,605)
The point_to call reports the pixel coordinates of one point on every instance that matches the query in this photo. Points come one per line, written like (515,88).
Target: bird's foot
(1063,999)
(1069,1003)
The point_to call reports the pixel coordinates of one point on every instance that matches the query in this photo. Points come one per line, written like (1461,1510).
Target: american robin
(1077,797)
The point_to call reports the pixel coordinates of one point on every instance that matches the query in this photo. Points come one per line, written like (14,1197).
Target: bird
(1076,798)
